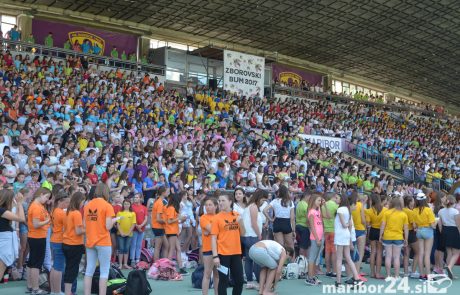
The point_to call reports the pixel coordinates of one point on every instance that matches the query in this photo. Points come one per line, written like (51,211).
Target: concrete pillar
(25,25)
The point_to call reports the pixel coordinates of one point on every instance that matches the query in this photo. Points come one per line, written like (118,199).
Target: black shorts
(282,225)
(73,254)
(439,240)
(171,235)
(451,237)
(207,253)
(158,232)
(37,252)
(412,237)
(303,236)
(113,230)
(374,234)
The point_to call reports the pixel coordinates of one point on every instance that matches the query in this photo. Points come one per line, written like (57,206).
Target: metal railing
(338,98)
(37,49)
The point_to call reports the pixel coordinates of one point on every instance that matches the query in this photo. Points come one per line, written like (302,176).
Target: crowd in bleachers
(67,125)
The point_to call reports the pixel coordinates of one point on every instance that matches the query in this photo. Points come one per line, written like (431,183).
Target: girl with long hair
(412,239)
(211,208)
(374,217)
(315,223)
(450,233)
(61,201)
(8,242)
(394,234)
(253,225)
(425,220)
(125,226)
(172,221)
(284,217)
(72,240)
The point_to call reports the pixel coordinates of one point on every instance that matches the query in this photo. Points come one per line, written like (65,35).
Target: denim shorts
(398,243)
(425,233)
(23,228)
(360,233)
(58,256)
(207,253)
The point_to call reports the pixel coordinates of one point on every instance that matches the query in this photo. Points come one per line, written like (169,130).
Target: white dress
(342,235)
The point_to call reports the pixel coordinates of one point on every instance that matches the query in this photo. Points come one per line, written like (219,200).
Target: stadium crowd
(112,153)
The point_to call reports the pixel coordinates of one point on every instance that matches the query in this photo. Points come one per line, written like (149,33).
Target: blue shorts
(207,253)
(23,228)
(58,256)
(158,232)
(425,233)
(398,243)
(360,233)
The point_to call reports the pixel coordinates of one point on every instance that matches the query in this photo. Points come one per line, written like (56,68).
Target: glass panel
(154,43)
(6,28)
(373,92)
(173,76)
(338,86)
(9,19)
(352,88)
(366,91)
(359,88)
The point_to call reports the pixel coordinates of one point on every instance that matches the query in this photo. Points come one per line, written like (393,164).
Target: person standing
(227,227)
(49,42)
(139,228)
(98,220)
(72,240)
(38,221)
(125,225)
(158,224)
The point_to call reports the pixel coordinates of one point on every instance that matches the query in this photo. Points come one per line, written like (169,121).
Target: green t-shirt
(345,177)
(132,58)
(332,207)
(368,186)
(114,53)
(352,179)
(49,41)
(123,56)
(67,45)
(301,214)
(30,40)
(144,60)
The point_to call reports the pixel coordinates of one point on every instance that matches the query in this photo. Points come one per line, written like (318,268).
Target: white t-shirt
(248,230)
(447,216)
(342,235)
(274,249)
(281,211)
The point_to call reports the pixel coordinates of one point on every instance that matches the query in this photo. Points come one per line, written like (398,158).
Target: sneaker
(449,273)
(331,274)
(28,290)
(39,292)
(183,272)
(338,285)
(352,281)
(317,279)
(423,278)
(311,282)
(414,275)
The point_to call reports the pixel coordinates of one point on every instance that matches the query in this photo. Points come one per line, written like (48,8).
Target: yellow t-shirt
(394,224)
(424,218)
(126,222)
(410,217)
(83,144)
(356,214)
(374,219)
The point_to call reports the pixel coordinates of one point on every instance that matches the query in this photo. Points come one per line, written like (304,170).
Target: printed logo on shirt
(92,215)
(231,225)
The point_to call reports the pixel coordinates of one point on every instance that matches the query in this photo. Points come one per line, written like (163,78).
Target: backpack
(114,273)
(147,255)
(142,265)
(116,286)
(137,283)
(303,266)
(292,271)
(164,269)
(197,277)
(194,255)
(43,280)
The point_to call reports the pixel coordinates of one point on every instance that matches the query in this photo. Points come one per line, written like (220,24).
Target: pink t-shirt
(317,223)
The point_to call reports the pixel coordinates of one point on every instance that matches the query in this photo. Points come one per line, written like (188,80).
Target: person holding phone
(226,230)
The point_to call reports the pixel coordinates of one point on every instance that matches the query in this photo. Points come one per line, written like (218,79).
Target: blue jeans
(123,244)
(101,254)
(58,256)
(249,265)
(136,245)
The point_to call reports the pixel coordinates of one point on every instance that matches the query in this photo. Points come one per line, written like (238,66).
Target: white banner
(335,144)
(244,73)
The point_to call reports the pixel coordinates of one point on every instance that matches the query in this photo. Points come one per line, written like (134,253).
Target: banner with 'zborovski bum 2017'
(243,73)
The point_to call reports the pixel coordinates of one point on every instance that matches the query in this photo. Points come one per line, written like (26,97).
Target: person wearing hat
(425,221)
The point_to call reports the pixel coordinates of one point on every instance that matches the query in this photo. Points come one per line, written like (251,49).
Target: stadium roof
(412,44)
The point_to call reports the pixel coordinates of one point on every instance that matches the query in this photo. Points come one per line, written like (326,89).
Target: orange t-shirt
(57,227)
(158,208)
(95,214)
(37,211)
(227,229)
(71,222)
(171,228)
(205,220)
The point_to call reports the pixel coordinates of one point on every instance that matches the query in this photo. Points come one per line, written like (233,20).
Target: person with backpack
(158,224)
(125,226)
(270,256)
(138,234)
(211,207)
(227,227)
(98,219)
(72,240)
(173,219)
(61,201)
